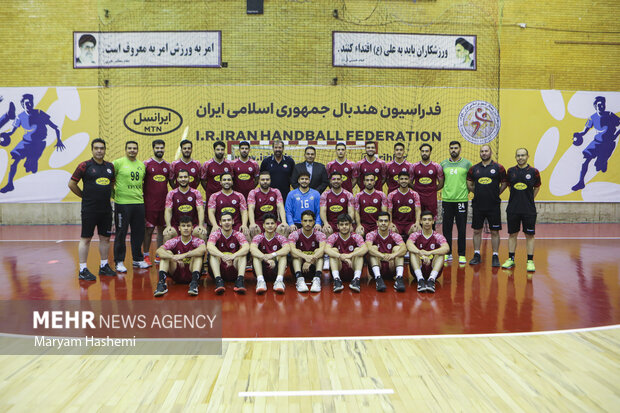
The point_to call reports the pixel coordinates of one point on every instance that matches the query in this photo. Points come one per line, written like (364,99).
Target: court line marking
(97,240)
(294,393)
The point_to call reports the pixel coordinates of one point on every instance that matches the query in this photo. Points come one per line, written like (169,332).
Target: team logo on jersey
(102,181)
(244,177)
(231,245)
(165,169)
(520,186)
(351,248)
(190,199)
(404,209)
(425,180)
(376,170)
(225,169)
(492,171)
(285,166)
(109,170)
(266,208)
(336,208)
(430,172)
(370,209)
(234,202)
(432,246)
(528,176)
(411,201)
(484,180)
(342,199)
(313,243)
(479,122)
(375,201)
(346,169)
(159,178)
(229,209)
(389,246)
(271,199)
(193,170)
(250,169)
(275,247)
(185,208)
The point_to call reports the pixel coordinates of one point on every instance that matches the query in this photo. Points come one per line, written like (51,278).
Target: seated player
(403,205)
(265,200)
(228,251)
(346,251)
(307,248)
(368,204)
(426,253)
(335,201)
(269,252)
(184,201)
(231,201)
(181,257)
(386,254)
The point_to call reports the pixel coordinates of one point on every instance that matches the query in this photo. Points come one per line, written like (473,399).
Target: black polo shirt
(98,181)
(487,180)
(522,182)
(281,172)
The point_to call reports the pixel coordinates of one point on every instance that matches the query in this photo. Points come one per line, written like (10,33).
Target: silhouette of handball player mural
(34,122)
(602,146)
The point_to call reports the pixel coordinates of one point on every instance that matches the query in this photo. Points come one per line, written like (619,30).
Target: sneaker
(462,259)
(162,288)
(86,275)
(278,287)
(530,266)
(239,285)
(107,270)
(430,285)
(301,286)
(338,285)
(399,284)
(380,284)
(120,267)
(147,259)
(141,264)
(355,285)
(475,260)
(447,257)
(509,263)
(219,286)
(495,261)
(316,285)
(157,260)
(421,285)
(261,286)
(193,288)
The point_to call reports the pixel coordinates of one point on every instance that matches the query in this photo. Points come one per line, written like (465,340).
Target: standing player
(524,182)
(455,198)
(213,170)
(427,178)
(404,207)
(184,201)
(269,251)
(301,199)
(347,168)
(368,204)
(231,201)
(265,200)
(228,251)
(335,201)
(395,167)
(487,180)
(371,163)
(426,252)
(182,258)
(186,162)
(129,207)
(155,190)
(98,179)
(245,171)
(346,251)
(307,248)
(386,254)
(281,168)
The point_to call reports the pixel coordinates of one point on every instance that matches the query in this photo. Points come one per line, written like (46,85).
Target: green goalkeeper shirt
(455,180)
(129,179)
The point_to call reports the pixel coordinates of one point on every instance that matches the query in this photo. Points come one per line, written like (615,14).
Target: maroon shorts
(229,273)
(403,229)
(154,218)
(386,272)
(346,273)
(270,274)
(429,202)
(182,274)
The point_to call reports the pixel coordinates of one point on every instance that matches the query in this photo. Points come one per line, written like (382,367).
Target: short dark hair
(97,140)
(341,144)
(403,173)
(335,173)
(265,173)
(310,147)
(308,212)
(303,173)
(244,143)
(87,38)
(130,142)
(184,219)
(225,173)
(425,213)
(158,142)
(345,218)
(269,216)
(465,44)
(369,143)
(383,214)
(370,174)
(224,213)
(426,144)
(276,141)
(219,143)
(182,170)
(184,142)
(399,144)
(455,143)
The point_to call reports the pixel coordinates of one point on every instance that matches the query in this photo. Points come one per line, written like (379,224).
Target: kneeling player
(269,251)
(228,251)
(426,253)
(346,252)
(307,248)
(181,257)
(386,253)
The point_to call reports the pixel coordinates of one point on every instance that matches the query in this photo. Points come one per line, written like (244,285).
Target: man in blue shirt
(301,199)
(281,168)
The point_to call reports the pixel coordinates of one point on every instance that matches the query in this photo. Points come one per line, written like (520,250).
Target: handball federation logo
(479,122)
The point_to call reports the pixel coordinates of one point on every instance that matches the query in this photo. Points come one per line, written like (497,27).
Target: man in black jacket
(318,174)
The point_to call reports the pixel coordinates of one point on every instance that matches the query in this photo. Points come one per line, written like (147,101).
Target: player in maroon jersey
(155,189)
(398,165)
(368,204)
(213,169)
(269,251)
(347,168)
(228,251)
(427,179)
(186,162)
(404,207)
(371,163)
(181,257)
(386,254)
(346,251)
(231,201)
(184,201)
(265,200)
(426,253)
(307,249)
(245,171)
(335,201)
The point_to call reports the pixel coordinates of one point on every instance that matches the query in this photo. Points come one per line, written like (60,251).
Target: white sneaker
(301,285)
(261,286)
(316,285)
(140,264)
(278,287)
(326,263)
(120,267)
